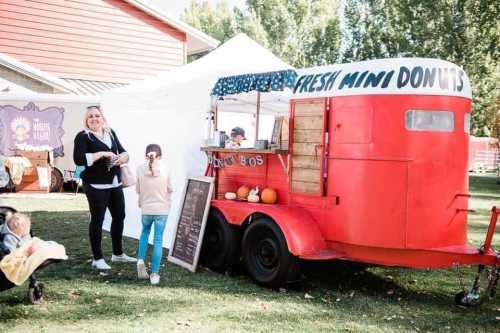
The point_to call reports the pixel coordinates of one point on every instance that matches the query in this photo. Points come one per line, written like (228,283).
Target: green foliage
(465,32)
(218,22)
(307,33)
(335,298)
(302,33)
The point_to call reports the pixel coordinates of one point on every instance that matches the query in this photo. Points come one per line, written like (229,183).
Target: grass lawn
(334,299)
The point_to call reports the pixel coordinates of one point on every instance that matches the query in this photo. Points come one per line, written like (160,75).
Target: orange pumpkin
(242,192)
(268,196)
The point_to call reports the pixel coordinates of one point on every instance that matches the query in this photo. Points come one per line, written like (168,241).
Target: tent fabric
(172,109)
(262,82)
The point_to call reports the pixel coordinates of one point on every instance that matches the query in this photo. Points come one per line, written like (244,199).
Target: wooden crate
(30,182)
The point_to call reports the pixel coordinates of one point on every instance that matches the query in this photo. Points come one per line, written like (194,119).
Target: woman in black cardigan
(98,149)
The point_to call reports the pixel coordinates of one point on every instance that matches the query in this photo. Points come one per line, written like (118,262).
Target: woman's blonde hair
(86,118)
(20,224)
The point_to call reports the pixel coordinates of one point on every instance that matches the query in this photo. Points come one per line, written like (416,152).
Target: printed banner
(411,76)
(31,126)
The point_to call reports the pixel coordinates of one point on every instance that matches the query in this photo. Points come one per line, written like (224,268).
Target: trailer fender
(301,231)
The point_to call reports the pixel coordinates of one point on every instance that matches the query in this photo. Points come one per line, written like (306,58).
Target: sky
(176,7)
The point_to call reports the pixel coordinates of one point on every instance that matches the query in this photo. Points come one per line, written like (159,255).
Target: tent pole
(257,118)
(215,116)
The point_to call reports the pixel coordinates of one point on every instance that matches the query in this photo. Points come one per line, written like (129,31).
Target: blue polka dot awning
(262,82)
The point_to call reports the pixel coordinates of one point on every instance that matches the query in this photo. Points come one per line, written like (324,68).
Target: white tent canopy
(171,110)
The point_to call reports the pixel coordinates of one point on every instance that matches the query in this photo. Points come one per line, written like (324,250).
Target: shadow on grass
(376,293)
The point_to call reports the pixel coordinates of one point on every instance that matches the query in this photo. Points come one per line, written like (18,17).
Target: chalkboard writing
(190,227)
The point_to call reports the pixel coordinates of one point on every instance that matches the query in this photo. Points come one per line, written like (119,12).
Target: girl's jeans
(159,222)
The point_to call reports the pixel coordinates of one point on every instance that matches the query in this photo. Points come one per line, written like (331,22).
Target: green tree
(302,33)
(465,32)
(218,22)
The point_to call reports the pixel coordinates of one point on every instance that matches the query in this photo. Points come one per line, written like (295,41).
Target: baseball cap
(238,131)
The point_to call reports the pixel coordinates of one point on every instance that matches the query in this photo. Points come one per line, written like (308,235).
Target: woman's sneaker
(155,278)
(122,258)
(142,273)
(100,265)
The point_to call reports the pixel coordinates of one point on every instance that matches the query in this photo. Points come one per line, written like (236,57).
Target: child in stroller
(12,239)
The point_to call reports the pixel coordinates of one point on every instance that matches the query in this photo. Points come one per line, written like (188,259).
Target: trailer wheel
(56,180)
(220,248)
(266,256)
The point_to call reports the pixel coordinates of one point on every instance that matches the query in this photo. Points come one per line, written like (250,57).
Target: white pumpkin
(253,198)
(230,195)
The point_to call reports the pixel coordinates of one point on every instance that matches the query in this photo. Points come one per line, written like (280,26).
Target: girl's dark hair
(152,151)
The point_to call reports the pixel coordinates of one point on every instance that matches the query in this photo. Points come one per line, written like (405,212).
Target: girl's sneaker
(155,278)
(142,273)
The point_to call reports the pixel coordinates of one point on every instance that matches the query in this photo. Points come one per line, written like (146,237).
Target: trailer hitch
(475,295)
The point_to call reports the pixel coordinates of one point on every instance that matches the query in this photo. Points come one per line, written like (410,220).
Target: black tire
(266,256)
(35,294)
(220,249)
(56,180)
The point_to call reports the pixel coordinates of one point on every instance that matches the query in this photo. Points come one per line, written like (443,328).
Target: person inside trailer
(236,138)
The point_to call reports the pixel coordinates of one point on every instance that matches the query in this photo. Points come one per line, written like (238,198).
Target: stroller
(36,289)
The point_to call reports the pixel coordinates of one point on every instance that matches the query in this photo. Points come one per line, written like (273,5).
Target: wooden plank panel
(59,16)
(305,187)
(68,63)
(87,5)
(309,109)
(306,175)
(114,11)
(64,58)
(306,149)
(87,43)
(306,123)
(65,8)
(307,162)
(133,11)
(26,20)
(311,136)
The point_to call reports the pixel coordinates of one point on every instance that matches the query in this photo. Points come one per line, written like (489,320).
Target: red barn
(86,47)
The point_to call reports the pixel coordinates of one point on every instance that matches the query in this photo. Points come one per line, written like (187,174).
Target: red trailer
(375,171)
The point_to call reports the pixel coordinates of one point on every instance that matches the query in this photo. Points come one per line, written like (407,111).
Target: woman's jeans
(159,222)
(99,200)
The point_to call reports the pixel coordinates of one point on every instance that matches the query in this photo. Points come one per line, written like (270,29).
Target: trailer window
(424,120)
(467,123)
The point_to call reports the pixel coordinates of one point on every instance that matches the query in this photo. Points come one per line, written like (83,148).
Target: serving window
(430,120)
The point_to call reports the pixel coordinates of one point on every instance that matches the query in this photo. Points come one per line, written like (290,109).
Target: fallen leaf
(98,301)
(74,295)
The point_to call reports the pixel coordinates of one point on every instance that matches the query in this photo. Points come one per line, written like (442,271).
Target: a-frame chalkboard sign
(190,226)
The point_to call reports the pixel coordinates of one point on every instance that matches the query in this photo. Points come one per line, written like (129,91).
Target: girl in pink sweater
(154,189)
